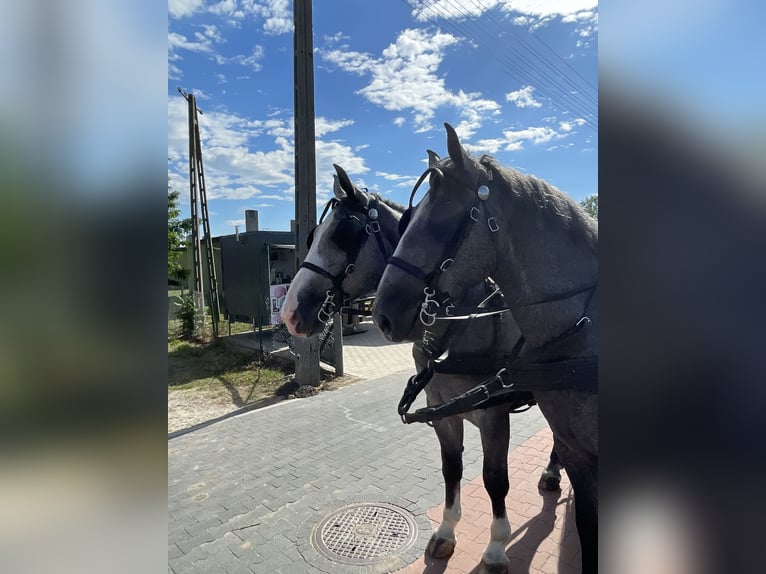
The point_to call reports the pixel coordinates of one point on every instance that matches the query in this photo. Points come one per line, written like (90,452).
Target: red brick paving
(544,537)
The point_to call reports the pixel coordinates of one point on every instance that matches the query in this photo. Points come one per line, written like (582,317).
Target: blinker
(483,192)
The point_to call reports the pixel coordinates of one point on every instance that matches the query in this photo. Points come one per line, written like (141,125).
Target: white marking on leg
(500,536)
(450,518)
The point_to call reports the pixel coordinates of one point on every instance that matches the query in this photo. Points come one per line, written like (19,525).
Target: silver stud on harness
(483,192)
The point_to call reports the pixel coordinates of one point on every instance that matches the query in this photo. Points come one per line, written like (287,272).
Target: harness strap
(512,386)
(489,393)
(337,280)
(411,269)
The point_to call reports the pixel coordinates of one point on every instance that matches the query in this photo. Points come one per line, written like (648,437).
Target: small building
(249,267)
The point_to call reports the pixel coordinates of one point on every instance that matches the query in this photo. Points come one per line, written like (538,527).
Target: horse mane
(552,202)
(390,203)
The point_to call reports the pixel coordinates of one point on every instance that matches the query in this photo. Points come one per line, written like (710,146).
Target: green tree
(590,205)
(177,232)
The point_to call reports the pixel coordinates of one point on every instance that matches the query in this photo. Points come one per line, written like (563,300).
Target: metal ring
(475,210)
(426,291)
(432,316)
(446,264)
(350,268)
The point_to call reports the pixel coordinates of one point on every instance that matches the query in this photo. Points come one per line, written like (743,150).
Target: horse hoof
(496,568)
(440,548)
(549,482)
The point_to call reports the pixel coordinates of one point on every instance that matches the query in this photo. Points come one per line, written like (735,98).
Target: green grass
(222,373)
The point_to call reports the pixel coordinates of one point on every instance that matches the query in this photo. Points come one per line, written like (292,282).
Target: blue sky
(517,78)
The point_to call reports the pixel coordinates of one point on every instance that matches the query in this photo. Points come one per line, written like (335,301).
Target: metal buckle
(372,227)
(474,210)
(350,269)
(483,387)
(448,310)
(493,226)
(446,264)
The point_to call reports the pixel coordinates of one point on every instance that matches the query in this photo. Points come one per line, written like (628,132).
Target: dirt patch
(207,381)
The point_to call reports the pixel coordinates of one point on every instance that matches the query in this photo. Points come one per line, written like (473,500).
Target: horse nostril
(384,324)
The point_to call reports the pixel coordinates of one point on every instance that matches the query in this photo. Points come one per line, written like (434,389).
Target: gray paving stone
(271,473)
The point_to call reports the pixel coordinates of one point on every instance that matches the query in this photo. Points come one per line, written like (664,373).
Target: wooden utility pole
(306,349)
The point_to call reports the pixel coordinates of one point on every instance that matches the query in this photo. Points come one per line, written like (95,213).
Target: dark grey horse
(540,247)
(349,235)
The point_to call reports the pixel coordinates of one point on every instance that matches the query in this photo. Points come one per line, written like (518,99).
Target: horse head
(451,223)
(347,253)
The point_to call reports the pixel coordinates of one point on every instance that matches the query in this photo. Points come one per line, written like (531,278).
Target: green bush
(187,312)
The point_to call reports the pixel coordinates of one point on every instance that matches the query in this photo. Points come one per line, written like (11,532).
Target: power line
(532,68)
(547,85)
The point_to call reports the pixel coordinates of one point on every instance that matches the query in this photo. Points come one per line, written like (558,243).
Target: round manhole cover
(364,533)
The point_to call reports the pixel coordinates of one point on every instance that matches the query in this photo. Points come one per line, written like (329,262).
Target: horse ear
(342,186)
(433,157)
(336,189)
(456,151)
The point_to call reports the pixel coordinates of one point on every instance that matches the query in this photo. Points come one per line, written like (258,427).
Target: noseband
(335,296)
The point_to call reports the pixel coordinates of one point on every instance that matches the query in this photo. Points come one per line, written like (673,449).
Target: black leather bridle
(335,296)
(438,304)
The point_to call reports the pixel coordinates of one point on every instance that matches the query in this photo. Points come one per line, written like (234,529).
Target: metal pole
(338,346)
(307,349)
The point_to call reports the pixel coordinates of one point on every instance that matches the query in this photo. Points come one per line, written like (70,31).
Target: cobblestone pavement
(245,494)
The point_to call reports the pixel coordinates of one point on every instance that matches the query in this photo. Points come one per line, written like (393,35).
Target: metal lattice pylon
(197,189)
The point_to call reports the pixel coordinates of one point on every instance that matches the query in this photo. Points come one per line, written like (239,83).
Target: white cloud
(393,176)
(176,40)
(323,126)
(252,61)
(183,8)
(404,77)
(399,121)
(247,158)
(523,98)
(424,10)
(531,13)
(514,140)
(276,15)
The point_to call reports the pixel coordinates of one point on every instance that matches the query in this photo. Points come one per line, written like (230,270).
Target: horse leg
(550,479)
(450,434)
(583,474)
(495,436)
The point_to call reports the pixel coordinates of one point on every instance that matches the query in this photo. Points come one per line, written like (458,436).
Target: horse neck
(539,259)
